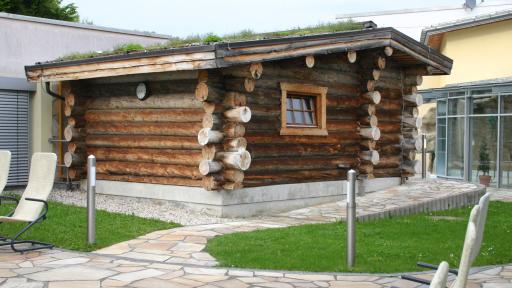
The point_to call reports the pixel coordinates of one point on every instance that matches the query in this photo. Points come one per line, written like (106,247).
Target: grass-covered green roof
(211,38)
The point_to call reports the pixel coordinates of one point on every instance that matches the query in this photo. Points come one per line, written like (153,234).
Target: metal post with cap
(91,199)
(351,218)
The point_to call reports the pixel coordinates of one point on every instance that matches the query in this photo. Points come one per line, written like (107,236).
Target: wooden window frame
(320,94)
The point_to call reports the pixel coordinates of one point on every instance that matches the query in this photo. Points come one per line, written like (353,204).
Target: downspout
(51,93)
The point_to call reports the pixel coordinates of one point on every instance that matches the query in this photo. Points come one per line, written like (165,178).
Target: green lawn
(66,227)
(391,245)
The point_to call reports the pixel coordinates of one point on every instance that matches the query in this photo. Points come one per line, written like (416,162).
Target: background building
(25,109)
(473,105)
(413,21)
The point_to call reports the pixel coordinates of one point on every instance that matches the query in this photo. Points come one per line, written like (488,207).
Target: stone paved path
(186,245)
(175,258)
(58,268)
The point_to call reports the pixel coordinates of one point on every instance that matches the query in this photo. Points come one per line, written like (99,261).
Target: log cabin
(248,127)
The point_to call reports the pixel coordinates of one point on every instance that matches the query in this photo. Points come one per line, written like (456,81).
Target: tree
(483,164)
(52,9)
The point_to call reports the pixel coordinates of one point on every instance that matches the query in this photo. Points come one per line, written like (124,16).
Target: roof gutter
(51,93)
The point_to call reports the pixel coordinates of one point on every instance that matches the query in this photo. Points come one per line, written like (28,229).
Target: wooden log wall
(75,103)
(278,159)
(150,141)
(224,98)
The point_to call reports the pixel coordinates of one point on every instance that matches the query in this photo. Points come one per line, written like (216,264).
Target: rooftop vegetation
(210,38)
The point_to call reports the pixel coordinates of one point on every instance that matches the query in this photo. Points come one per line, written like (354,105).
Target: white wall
(24,43)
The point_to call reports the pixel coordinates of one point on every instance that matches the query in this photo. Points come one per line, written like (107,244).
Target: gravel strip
(142,207)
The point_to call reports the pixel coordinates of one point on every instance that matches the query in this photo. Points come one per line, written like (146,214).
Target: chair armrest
(434,267)
(42,201)
(9,198)
(415,279)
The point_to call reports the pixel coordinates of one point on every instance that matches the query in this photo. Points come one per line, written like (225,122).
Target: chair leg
(13,242)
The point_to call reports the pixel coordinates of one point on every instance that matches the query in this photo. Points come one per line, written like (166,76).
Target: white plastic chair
(32,207)
(469,250)
(5,162)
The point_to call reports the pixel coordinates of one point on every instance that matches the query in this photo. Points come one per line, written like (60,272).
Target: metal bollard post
(423,156)
(351,218)
(91,199)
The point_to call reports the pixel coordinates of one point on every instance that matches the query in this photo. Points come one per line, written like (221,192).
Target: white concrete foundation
(247,201)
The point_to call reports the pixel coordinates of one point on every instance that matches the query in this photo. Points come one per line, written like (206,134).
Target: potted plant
(483,164)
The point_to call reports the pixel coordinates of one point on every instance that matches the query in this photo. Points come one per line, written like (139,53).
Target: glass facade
(474,134)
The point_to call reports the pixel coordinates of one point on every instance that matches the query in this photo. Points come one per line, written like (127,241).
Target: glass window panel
(309,104)
(483,147)
(456,106)
(289,103)
(289,117)
(455,147)
(481,92)
(441,131)
(297,103)
(456,94)
(506,103)
(441,108)
(299,117)
(441,164)
(441,145)
(309,116)
(485,105)
(506,151)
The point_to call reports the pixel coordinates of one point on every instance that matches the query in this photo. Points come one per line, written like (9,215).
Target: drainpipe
(51,93)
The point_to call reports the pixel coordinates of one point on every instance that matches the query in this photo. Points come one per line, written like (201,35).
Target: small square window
(303,109)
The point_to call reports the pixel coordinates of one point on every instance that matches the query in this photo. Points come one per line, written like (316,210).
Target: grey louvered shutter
(14,133)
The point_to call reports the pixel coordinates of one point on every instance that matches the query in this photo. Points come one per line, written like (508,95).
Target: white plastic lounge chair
(5,161)
(32,207)
(468,252)
(439,279)
(482,218)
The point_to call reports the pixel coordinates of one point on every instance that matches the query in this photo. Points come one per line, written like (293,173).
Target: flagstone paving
(176,257)
(59,268)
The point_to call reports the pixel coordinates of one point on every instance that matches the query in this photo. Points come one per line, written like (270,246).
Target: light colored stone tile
(361,278)
(206,271)
(6,273)
(188,247)
(205,278)
(172,275)
(23,271)
(68,261)
(157,283)
(268,274)
(74,284)
(115,249)
(165,266)
(345,284)
(275,285)
(125,269)
(113,283)
(232,283)
(71,273)
(252,280)
(145,256)
(203,256)
(26,264)
(240,273)
(21,283)
(310,277)
(187,282)
(137,275)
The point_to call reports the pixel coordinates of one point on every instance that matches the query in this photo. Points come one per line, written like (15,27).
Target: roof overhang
(408,52)
(433,36)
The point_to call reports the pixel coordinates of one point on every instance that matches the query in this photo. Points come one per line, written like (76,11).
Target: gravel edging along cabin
(249,127)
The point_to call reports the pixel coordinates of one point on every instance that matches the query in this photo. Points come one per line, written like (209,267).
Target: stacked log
(75,105)
(411,122)
(372,68)
(151,141)
(224,154)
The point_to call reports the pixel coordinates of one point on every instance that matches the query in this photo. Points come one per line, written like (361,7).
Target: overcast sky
(182,18)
